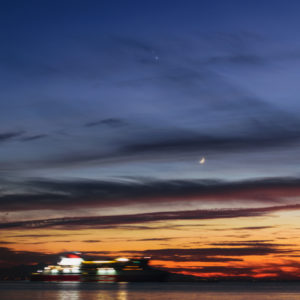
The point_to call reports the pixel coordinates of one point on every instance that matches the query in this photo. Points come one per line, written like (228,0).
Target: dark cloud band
(113,221)
(39,195)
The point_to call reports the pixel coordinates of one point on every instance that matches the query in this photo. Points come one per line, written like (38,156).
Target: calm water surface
(144,291)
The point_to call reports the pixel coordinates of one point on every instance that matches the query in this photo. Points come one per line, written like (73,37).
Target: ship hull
(122,277)
(128,276)
(59,277)
(142,276)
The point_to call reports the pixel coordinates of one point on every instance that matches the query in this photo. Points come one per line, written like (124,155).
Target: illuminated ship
(74,268)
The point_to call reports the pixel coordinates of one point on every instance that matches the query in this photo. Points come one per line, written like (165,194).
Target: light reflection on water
(122,292)
(150,291)
(66,294)
(119,293)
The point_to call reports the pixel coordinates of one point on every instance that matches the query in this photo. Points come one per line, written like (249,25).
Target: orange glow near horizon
(218,242)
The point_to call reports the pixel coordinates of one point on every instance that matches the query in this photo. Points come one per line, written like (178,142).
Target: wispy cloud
(222,120)
(255,125)
(111,122)
(34,137)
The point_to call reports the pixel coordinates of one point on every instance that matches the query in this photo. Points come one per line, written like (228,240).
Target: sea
(27,290)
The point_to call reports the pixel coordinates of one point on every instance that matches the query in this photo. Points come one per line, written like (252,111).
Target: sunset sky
(168,129)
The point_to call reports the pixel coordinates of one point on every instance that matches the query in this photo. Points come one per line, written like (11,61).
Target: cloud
(5,136)
(239,59)
(133,43)
(225,253)
(258,125)
(245,228)
(91,241)
(116,220)
(41,243)
(47,194)
(34,137)
(217,271)
(198,253)
(254,125)
(10,257)
(253,228)
(153,239)
(111,122)
(42,235)
(6,243)
(258,243)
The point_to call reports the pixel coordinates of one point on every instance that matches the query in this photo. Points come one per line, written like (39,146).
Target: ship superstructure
(67,269)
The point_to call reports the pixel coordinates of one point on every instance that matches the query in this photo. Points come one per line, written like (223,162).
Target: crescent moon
(202,161)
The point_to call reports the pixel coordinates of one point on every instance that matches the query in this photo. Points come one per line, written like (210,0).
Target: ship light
(66,261)
(75,270)
(66,270)
(106,271)
(97,262)
(122,259)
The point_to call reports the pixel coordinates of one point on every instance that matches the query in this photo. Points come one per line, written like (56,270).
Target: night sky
(169,129)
